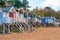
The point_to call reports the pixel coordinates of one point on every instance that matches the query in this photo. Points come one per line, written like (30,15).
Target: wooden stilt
(9,28)
(3,28)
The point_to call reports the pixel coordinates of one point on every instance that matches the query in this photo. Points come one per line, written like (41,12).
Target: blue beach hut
(1,17)
(2,20)
(46,20)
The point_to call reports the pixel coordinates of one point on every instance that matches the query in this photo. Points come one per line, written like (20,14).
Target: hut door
(11,14)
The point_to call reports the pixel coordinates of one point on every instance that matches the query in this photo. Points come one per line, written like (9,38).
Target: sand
(42,33)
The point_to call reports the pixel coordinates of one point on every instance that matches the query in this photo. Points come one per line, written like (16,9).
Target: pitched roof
(6,9)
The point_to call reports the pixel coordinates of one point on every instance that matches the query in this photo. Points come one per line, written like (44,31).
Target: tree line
(15,3)
(47,11)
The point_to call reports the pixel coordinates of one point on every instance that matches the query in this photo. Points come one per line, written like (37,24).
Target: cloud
(35,3)
(51,3)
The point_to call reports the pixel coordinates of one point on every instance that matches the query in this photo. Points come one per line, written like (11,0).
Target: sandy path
(38,34)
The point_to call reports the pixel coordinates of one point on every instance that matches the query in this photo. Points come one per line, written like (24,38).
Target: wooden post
(3,28)
(9,28)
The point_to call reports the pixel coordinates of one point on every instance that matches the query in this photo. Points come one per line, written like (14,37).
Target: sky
(54,4)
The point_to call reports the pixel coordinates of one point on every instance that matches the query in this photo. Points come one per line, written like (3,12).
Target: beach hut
(2,20)
(30,16)
(12,14)
(8,10)
(1,16)
(46,21)
(25,15)
(38,19)
(55,21)
(7,17)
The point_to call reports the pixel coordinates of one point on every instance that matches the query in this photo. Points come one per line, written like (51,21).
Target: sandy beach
(43,33)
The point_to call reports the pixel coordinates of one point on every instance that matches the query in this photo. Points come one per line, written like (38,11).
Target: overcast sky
(54,4)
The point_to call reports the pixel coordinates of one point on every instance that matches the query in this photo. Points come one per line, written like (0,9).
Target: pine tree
(17,3)
(25,3)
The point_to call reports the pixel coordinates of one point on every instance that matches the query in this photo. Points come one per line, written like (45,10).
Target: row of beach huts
(22,20)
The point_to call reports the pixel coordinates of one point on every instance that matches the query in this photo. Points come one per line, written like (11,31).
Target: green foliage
(2,3)
(17,3)
(15,30)
(37,12)
(25,3)
(46,12)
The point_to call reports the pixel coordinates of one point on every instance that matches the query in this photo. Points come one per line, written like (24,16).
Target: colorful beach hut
(2,20)
(12,14)
(1,17)
(6,19)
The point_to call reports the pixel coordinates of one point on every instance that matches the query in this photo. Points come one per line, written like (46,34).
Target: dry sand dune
(38,34)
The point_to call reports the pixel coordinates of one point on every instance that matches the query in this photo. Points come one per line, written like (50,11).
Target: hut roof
(6,9)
